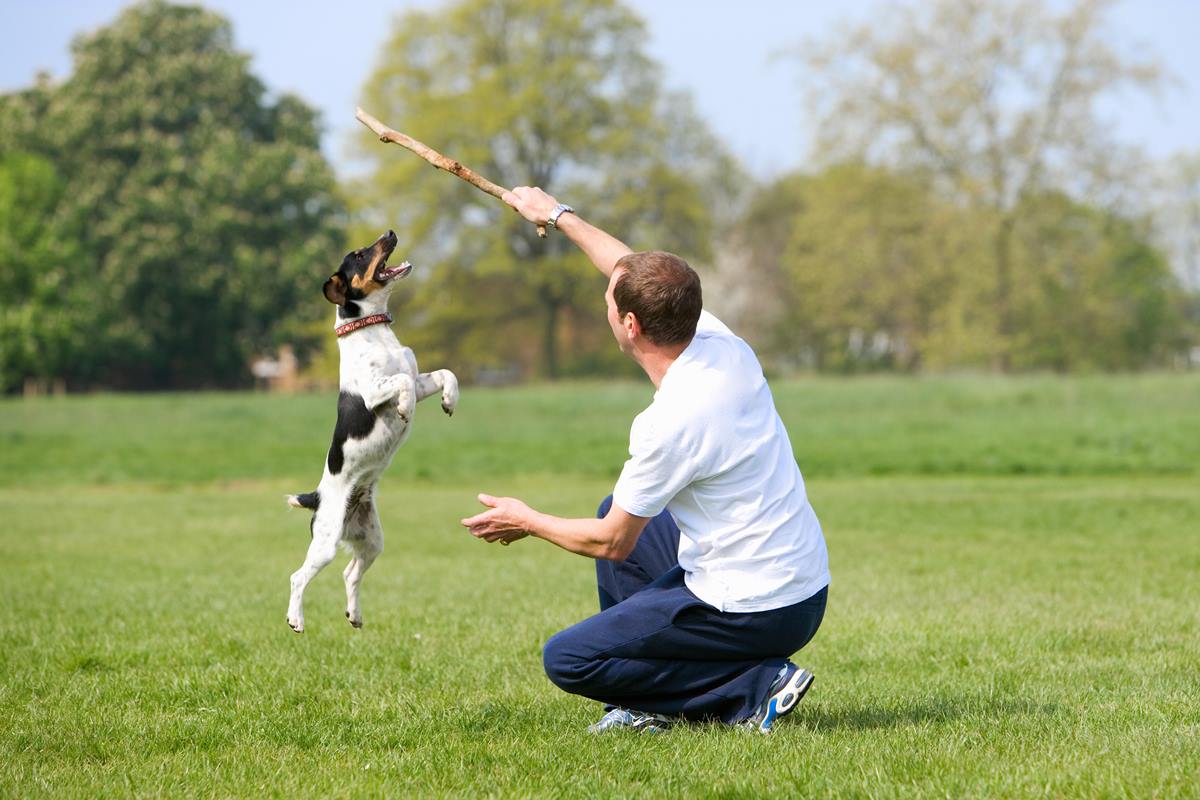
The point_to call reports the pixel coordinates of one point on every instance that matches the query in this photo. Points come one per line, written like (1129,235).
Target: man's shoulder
(659,418)
(675,419)
(709,324)
(684,408)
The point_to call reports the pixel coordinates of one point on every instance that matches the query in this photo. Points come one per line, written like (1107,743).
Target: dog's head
(364,278)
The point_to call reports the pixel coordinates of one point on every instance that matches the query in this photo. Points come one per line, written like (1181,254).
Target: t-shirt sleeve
(661,462)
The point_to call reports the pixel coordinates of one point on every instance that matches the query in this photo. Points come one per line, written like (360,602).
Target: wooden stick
(426,152)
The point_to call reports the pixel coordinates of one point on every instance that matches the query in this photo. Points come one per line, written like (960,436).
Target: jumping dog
(379,387)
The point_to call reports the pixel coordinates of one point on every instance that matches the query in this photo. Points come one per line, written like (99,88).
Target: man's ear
(335,290)
(633,328)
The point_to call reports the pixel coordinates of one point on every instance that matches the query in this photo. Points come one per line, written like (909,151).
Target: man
(711,565)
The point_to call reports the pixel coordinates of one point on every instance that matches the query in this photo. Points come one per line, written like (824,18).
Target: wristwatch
(559,210)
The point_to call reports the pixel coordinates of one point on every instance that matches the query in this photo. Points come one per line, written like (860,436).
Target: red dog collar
(374,319)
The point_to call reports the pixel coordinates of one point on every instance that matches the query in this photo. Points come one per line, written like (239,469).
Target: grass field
(1015,608)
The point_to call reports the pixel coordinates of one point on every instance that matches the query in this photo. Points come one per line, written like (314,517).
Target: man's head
(662,293)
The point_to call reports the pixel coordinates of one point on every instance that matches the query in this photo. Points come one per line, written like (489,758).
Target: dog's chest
(371,354)
(369,437)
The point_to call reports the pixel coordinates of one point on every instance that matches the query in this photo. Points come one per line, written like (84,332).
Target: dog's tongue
(392,273)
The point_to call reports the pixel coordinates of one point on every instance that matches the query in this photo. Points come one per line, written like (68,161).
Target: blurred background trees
(993,227)
(165,214)
(552,93)
(164,218)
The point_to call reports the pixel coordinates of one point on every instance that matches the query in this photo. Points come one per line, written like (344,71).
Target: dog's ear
(335,290)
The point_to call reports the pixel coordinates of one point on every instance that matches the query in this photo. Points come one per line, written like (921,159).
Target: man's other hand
(505,521)
(531,203)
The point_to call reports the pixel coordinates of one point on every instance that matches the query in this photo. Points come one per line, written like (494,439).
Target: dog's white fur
(381,371)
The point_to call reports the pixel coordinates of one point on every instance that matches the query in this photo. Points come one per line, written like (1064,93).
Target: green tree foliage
(556,93)
(201,208)
(1094,294)
(996,98)
(864,268)
(43,318)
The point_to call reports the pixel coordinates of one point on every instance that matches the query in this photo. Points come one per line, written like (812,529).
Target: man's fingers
(515,195)
(477,520)
(487,500)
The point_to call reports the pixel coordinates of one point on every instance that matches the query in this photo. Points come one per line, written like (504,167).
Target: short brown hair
(663,292)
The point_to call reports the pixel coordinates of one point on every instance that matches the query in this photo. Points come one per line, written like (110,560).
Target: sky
(730,56)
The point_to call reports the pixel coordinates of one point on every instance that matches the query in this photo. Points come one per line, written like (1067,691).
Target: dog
(379,387)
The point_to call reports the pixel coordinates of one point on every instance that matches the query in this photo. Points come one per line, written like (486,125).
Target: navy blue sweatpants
(657,647)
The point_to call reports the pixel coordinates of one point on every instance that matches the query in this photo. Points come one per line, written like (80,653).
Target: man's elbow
(616,550)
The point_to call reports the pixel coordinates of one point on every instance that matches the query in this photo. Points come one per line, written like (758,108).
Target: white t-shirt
(712,449)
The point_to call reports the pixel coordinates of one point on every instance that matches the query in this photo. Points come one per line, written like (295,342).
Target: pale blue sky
(719,51)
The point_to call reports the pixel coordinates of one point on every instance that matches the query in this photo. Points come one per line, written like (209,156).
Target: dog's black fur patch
(354,421)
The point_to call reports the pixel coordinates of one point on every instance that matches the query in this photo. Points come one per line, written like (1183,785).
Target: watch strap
(559,210)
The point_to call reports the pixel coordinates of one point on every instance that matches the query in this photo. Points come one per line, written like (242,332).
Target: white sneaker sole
(787,698)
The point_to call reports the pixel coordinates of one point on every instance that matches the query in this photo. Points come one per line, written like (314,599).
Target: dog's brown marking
(366,283)
(335,289)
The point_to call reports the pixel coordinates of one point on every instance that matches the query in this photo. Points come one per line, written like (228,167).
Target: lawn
(1015,608)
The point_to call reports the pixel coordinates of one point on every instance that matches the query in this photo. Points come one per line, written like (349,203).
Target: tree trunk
(1002,357)
(550,339)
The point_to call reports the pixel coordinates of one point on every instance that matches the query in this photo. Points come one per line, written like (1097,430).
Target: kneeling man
(711,566)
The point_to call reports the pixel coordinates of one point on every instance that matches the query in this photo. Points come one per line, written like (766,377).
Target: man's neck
(656,360)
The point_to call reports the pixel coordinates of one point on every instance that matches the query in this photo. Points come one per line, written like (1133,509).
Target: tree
(205,211)
(865,268)
(862,268)
(996,97)
(1178,215)
(1104,296)
(556,93)
(43,317)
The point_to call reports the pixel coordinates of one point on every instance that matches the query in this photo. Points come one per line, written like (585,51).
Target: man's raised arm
(536,206)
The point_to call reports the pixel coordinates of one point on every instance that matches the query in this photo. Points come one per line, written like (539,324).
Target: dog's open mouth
(386,273)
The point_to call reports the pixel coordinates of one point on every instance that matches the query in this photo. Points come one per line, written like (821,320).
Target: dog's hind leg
(367,544)
(326,531)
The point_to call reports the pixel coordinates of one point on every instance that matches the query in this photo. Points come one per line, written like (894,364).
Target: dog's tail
(309,500)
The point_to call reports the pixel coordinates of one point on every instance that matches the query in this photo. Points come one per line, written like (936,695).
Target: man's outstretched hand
(506,520)
(531,203)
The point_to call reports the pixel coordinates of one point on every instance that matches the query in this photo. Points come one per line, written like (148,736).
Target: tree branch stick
(440,161)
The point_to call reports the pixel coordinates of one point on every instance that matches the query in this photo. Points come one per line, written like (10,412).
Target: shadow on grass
(939,710)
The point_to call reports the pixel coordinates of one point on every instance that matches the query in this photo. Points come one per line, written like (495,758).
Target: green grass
(1015,608)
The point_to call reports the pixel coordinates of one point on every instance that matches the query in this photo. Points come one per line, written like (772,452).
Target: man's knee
(565,666)
(605,505)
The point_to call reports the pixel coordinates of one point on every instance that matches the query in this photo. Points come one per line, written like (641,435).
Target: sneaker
(634,720)
(786,692)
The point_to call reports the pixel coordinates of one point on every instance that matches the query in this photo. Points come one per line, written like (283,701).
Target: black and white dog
(379,388)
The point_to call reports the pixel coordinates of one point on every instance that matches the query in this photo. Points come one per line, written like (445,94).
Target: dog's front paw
(449,392)
(296,623)
(354,619)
